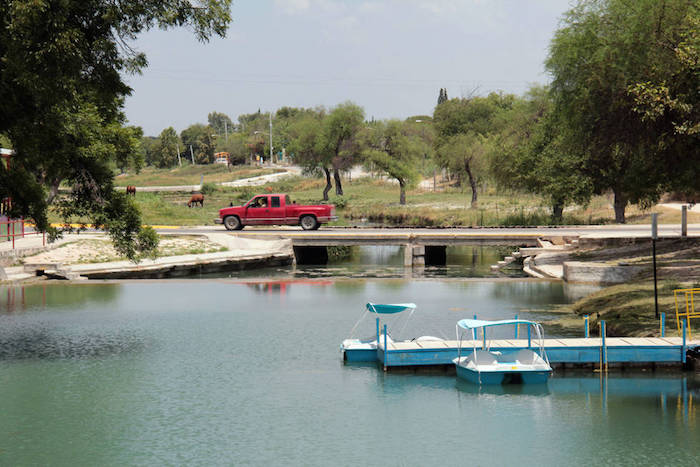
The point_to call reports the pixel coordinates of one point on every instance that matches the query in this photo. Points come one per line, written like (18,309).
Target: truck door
(277,211)
(258,210)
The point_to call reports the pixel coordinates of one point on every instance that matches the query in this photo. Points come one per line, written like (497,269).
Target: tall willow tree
(610,61)
(61,97)
(528,154)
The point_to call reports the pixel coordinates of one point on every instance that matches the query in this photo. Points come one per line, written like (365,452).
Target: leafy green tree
(128,151)
(220,122)
(147,147)
(202,140)
(442,97)
(391,148)
(463,127)
(62,91)
(339,128)
(250,123)
(236,146)
(528,154)
(610,60)
(422,131)
(165,151)
(308,145)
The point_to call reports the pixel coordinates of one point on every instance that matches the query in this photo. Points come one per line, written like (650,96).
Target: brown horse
(197,198)
(131,190)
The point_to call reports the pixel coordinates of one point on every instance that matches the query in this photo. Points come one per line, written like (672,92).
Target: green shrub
(148,240)
(208,188)
(340,202)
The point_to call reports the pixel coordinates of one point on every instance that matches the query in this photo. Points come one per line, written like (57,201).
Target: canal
(246,371)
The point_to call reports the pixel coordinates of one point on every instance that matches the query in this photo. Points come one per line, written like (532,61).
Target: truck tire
(308,222)
(232,223)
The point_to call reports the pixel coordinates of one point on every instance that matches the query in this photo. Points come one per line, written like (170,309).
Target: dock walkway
(562,351)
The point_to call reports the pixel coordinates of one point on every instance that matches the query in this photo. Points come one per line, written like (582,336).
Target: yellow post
(675,298)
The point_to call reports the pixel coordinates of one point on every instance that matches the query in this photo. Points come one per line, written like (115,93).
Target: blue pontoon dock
(561,352)
(587,352)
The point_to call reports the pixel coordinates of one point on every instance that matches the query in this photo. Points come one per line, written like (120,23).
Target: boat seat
(526,357)
(483,357)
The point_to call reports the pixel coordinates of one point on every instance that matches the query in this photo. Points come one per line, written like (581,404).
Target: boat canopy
(480,323)
(391,308)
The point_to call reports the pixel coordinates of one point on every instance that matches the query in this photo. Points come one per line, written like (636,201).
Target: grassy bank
(369,201)
(375,201)
(628,309)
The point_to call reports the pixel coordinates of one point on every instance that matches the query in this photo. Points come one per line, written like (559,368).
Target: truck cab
(275,209)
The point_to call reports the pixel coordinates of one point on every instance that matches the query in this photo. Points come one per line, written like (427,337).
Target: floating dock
(562,352)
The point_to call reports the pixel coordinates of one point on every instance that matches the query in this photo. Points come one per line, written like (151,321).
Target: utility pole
(192,154)
(179,161)
(270,137)
(226,129)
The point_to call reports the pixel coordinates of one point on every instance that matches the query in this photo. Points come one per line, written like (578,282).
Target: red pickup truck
(275,209)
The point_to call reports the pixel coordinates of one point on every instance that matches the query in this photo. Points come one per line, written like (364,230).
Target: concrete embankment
(606,261)
(258,255)
(238,254)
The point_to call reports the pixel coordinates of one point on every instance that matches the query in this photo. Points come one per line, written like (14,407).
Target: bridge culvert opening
(311,255)
(435,255)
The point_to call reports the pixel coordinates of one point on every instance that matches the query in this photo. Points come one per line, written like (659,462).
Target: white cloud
(293,6)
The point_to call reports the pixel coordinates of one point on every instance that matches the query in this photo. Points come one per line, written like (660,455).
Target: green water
(387,261)
(216,372)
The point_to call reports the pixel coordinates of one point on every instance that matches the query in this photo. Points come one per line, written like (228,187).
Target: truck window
(259,202)
(287,200)
(275,202)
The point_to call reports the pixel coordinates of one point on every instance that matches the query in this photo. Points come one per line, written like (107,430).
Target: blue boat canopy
(390,308)
(480,323)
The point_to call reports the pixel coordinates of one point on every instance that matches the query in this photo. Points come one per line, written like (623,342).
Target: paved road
(666,230)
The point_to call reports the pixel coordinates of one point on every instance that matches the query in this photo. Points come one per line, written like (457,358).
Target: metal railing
(10,229)
(689,297)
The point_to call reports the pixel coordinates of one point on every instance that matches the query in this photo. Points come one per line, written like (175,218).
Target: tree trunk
(620,204)
(328,184)
(338,183)
(53,191)
(557,212)
(402,197)
(472,182)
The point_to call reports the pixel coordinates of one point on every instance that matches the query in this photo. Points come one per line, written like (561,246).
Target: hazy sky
(389,56)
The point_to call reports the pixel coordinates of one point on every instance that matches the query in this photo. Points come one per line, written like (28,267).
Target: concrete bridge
(421,246)
(428,246)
